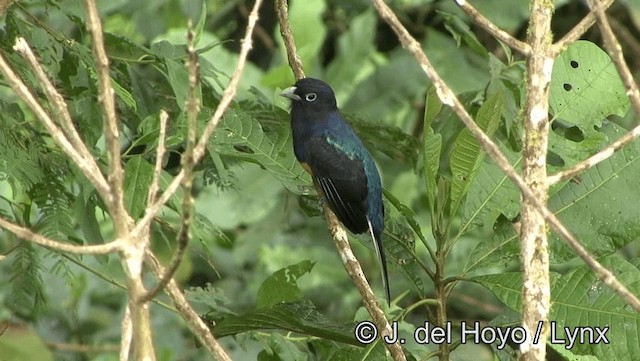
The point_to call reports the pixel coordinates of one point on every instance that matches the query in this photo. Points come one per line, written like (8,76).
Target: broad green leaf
(242,136)
(179,80)
(300,317)
(579,299)
(499,249)
(585,87)
(490,194)
(402,252)
(281,286)
(137,178)
(278,348)
(597,207)
(432,145)
(467,155)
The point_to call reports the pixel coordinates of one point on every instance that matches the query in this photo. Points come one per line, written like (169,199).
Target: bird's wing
(342,181)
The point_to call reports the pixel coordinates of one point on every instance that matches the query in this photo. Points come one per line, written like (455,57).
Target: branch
(351,264)
(87,166)
(447,97)
(193,109)
(615,51)
(577,31)
(198,151)
(613,47)
(492,29)
(195,323)
(289,42)
(121,219)
(536,289)
(28,235)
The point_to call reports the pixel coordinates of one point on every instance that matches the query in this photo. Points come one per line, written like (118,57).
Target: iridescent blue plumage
(340,165)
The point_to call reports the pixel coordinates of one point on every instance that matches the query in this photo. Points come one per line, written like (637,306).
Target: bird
(342,169)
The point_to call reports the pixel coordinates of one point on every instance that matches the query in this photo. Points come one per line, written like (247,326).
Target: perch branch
(289,42)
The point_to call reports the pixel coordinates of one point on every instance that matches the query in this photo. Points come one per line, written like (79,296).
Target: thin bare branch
(615,51)
(193,109)
(595,159)
(447,97)
(160,151)
(87,167)
(121,220)
(492,29)
(28,235)
(61,113)
(200,147)
(577,31)
(195,323)
(282,9)
(127,335)
(354,270)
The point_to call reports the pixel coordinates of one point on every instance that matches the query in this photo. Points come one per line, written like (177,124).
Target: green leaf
(491,194)
(179,81)
(387,139)
(579,299)
(432,145)
(300,317)
(240,135)
(585,87)
(201,21)
(598,208)
(137,178)
(281,286)
(21,343)
(467,155)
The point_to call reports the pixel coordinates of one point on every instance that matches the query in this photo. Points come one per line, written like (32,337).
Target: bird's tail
(377,245)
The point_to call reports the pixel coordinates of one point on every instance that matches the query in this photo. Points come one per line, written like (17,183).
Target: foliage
(261,266)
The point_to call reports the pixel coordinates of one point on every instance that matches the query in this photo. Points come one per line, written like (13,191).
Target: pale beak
(290,93)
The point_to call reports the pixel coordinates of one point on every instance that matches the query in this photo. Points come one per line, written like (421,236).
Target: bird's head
(311,94)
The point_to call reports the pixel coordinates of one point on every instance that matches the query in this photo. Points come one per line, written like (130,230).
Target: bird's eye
(311,97)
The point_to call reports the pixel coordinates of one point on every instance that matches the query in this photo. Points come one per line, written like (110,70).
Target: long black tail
(377,243)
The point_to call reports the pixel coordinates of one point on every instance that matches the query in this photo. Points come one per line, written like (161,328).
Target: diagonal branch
(29,235)
(577,31)
(613,47)
(492,29)
(197,325)
(86,165)
(289,42)
(199,149)
(193,109)
(447,97)
(111,130)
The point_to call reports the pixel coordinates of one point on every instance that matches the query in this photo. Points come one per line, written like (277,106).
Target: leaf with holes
(585,87)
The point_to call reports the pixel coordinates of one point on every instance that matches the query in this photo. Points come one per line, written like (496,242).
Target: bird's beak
(290,93)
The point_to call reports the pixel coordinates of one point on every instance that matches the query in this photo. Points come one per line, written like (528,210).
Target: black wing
(342,182)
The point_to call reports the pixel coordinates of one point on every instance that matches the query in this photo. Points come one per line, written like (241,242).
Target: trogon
(341,167)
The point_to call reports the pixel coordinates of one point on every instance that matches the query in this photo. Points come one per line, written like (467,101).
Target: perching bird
(341,167)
